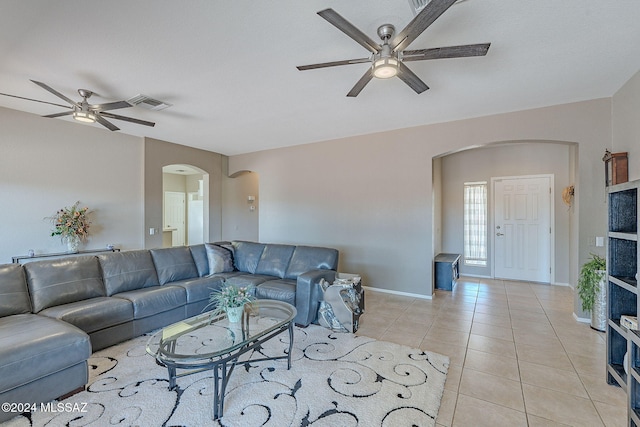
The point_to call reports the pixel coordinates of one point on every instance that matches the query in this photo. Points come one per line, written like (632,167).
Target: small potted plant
(592,291)
(231,299)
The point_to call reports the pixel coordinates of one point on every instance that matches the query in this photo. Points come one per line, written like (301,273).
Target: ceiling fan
(387,59)
(85,112)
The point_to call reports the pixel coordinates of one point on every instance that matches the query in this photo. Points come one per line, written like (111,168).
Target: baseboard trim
(581,319)
(479,276)
(560,284)
(404,294)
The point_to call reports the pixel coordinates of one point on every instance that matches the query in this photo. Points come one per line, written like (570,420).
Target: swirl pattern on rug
(336,379)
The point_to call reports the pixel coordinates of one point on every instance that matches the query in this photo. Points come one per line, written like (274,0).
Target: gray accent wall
(161,153)
(502,160)
(371,196)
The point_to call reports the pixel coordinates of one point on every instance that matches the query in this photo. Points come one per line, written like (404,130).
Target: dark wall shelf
(622,293)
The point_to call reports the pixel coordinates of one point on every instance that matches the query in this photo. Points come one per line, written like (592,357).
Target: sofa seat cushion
(248,279)
(200,288)
(281,290)
(127,271)
(34,346)
(226,276)
(150,301)
(93,314)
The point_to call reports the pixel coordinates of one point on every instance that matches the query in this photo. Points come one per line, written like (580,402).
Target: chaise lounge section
(54,313)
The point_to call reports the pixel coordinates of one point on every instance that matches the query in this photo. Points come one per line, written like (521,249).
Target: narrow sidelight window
(475,223)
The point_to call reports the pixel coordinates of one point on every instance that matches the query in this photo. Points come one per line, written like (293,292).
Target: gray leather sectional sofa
(55,313)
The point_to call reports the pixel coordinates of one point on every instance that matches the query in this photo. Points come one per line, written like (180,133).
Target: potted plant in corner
(593,291)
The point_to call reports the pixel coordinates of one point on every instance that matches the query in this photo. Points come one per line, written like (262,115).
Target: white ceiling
(228,67)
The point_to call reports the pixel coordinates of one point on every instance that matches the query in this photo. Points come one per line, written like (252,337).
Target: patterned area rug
(336,379)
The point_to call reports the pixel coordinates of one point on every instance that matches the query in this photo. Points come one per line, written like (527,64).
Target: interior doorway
(185,191)
(522,227)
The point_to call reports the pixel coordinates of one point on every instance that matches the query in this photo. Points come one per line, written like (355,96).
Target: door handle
(499,234)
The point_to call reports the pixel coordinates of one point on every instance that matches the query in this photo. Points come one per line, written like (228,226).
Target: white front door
(522,228)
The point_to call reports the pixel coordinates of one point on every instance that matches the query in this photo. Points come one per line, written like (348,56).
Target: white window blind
(475,223)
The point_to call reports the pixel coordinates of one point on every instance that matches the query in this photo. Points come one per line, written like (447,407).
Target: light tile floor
(518,357)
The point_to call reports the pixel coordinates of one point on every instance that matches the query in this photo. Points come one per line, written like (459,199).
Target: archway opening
(185,201)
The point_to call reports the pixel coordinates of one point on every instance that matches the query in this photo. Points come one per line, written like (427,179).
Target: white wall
(482,164)
(240,222)
(47,164)
(370,196)
(626,124)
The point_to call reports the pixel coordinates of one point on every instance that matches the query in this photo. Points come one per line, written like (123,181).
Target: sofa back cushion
(307,258)
(127,271)
(64,280)
(14,297)
(174,264)
(246,255)
(199,255)
(275,260)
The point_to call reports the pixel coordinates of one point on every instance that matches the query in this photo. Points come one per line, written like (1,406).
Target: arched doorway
(185,190)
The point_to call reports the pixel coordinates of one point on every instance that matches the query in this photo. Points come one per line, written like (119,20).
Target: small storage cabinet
(447,271)
(622,293)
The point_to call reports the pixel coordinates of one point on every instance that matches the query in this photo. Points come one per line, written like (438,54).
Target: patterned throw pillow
(220,259)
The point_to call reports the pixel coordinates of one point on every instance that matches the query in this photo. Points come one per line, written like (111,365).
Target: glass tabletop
(208,337)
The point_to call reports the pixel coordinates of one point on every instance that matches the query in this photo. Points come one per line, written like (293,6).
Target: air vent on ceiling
(418,5)
(148,103)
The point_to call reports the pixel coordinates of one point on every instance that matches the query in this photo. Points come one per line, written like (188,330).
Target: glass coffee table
(204,342)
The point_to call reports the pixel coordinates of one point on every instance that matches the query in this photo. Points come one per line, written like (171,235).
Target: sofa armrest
(309,294)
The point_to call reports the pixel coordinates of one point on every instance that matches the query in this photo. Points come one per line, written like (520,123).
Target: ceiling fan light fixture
(84,116)
(385,68)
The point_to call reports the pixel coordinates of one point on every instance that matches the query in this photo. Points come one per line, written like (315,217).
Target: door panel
(522,235)
(174,216)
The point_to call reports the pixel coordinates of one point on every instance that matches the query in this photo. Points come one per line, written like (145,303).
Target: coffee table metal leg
(221,374)
(290,345)
(218,400)
(172,377)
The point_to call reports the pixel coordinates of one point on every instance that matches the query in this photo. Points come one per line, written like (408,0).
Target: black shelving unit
(622,295)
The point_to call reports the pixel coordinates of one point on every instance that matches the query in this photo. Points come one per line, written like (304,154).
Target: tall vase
(73,243)
(235,313)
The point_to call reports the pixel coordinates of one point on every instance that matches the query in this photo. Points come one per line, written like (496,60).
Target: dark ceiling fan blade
(106,123)
(407,76)
(421,22)
(480,49)
(36,100)
(110,106)
(333,64)
(366,78)
(128,119)
(349,29)
(65,113)
(56,93)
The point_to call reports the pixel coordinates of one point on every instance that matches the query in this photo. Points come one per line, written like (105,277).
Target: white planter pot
(599,309)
